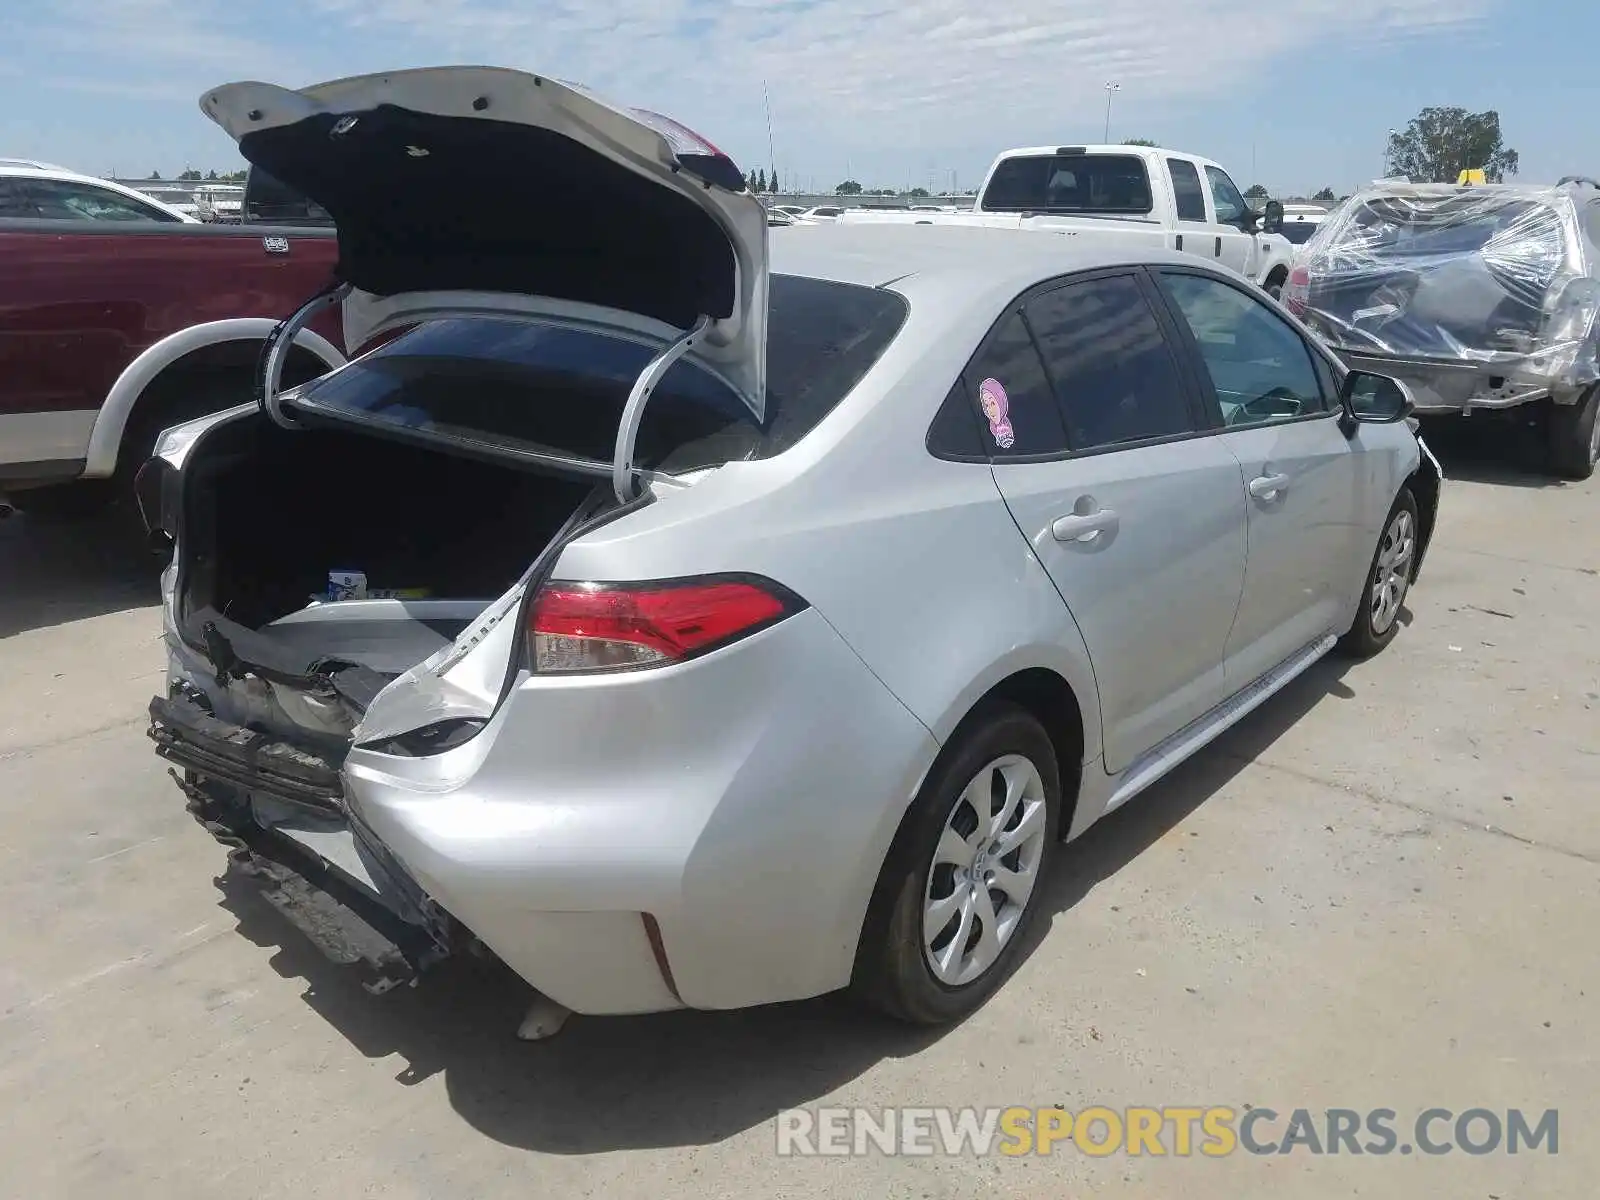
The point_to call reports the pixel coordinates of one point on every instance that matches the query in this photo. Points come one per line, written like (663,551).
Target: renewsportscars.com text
(1213,1132)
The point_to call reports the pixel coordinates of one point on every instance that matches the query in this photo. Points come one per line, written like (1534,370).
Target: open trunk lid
(480,189)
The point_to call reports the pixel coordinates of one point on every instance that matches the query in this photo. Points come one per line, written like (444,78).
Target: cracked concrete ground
(1381,890)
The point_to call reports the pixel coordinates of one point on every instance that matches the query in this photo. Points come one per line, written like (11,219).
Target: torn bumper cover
(280,811)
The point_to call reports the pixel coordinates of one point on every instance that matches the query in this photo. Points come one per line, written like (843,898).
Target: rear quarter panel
(915,561)
(77,304)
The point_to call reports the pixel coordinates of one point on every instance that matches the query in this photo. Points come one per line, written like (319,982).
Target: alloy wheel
(984,870)
(1393,574)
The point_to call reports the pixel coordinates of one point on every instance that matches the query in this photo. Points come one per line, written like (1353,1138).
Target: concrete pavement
(1381,890)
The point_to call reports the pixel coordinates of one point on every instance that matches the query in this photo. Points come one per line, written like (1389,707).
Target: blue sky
(896,92)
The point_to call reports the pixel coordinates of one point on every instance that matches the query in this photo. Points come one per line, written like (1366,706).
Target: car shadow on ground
(1491,448)
(693,1078)
(52,573)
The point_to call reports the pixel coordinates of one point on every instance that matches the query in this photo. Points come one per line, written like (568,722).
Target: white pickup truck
(1140,194)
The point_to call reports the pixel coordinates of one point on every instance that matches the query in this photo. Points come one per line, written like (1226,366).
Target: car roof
(948,258)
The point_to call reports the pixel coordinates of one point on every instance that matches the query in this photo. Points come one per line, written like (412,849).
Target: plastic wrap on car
(1497,277)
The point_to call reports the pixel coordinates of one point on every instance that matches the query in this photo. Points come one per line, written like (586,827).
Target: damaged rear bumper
(280,811)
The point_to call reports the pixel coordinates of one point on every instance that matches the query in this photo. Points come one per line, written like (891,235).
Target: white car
(43,191)
(710,615)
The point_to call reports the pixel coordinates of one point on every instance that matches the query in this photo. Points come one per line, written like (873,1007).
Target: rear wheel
(1574,436)
(1275,282)
(960,885)
(1394,562)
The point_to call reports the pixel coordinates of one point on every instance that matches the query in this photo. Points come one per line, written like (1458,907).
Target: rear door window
(523,384)
(1110,362)
(14,202)
(1064,183)
(1011,396)
(1186,188)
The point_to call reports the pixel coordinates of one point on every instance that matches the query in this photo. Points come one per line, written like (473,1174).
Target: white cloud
(908,80)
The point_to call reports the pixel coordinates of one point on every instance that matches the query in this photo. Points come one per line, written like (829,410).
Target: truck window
(1186,187)
(1103,183)
(270,201)
(1230,204)
(59,200)
(14,202)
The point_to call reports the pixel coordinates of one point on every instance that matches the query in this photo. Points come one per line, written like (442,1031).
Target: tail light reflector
(615,626)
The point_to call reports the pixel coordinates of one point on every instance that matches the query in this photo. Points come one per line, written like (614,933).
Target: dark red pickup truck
(110,333)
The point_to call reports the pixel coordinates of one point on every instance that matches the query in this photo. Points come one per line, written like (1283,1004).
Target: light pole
(1111,88)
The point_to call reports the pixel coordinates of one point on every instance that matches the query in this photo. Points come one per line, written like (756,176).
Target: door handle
(1219,249)
(1084,527)
(1269,487)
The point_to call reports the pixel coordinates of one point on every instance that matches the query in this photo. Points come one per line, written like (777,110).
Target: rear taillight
(616,626)
(1297,291)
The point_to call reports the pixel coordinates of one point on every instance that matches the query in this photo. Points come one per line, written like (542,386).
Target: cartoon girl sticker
(992,399)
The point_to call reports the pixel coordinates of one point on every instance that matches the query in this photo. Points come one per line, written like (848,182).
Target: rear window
(536,386)
(270,201)
(1110,183)
(1402,226)
(1299,232)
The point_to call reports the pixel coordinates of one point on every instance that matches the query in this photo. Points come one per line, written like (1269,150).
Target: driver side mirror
(1372,399)
(1272,217)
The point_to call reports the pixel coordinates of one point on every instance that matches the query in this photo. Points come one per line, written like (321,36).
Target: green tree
(761,180)
(918,192)
(750,180)
(155,174)
(1440,143)
(848,188)
(772,181)
(191,173)
(1325,196)
(210,175)
(1256,190)
(1138,142)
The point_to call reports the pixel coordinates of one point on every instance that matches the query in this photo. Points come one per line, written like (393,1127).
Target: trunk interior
(269,513)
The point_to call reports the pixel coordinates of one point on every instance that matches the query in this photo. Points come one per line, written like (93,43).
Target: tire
(1275,283)
(1574,436)
(1394,566)
(893,971)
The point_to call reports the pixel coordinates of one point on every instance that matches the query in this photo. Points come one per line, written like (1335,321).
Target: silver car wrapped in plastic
(1480,297)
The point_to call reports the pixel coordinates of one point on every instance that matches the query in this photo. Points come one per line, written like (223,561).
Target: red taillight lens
(606,627)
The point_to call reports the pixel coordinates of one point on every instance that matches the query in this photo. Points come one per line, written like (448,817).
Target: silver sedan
(919,552)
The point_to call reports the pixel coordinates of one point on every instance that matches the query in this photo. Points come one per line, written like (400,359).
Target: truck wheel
(961,883)
(1275,283)
(1574,436)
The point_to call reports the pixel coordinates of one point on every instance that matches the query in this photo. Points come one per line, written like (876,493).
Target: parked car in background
(118,317)
(1480,297)
(39,191)
(1132,195)
(656,721)
(824,212)
(1300,222)
(178,199)
(222,202)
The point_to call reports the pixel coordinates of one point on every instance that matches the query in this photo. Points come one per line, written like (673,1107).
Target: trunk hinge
(276,350)
(622,481)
